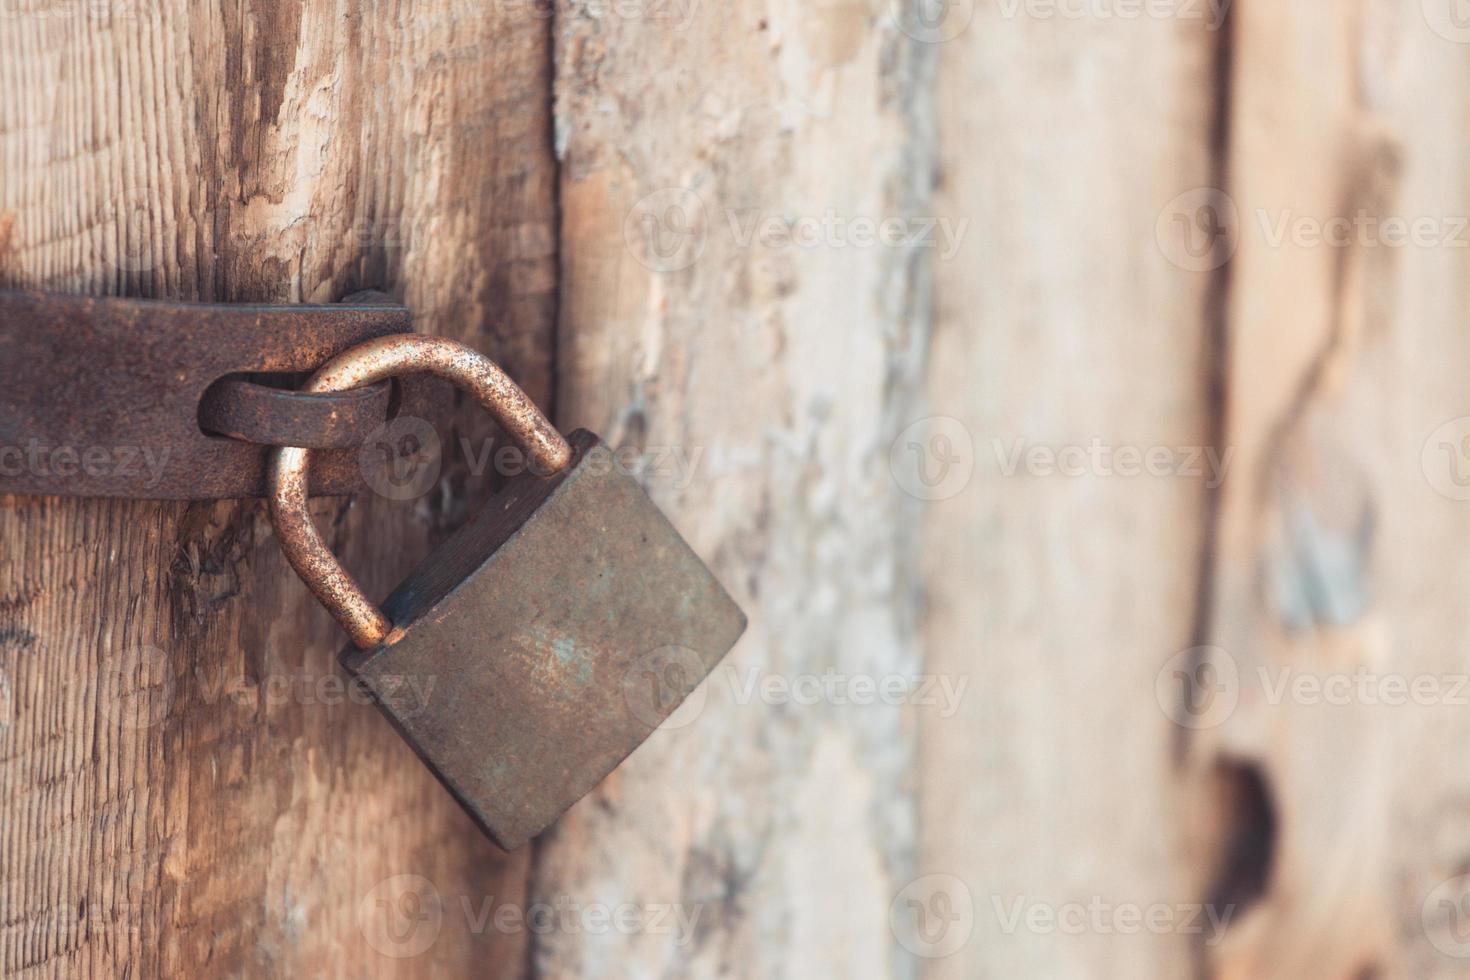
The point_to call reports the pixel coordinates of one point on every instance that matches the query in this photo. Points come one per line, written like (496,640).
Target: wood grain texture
(1336,591)
(1069,323)
(185,788)
(693,140)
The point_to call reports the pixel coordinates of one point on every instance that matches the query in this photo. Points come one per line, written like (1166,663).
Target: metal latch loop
(267,416)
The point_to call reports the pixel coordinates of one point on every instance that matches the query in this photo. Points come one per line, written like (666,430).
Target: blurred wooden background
(1174,740)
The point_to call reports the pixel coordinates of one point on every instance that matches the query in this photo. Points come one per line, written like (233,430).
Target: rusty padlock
(532,619)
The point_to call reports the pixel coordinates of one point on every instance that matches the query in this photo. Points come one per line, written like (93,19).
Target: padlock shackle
(365,364)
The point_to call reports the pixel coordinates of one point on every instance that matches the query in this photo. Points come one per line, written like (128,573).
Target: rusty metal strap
(130,398)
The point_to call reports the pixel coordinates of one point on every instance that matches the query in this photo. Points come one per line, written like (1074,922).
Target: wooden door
(832,274)
(185,788)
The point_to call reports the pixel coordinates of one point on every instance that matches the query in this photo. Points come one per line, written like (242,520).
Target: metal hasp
(545,640)
(106,397)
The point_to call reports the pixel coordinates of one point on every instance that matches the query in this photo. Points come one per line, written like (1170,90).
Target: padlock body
(545,640)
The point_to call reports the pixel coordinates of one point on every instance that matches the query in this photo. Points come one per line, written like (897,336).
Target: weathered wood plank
(1070,322)
(1339,528)
(185,790)
(691,148)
